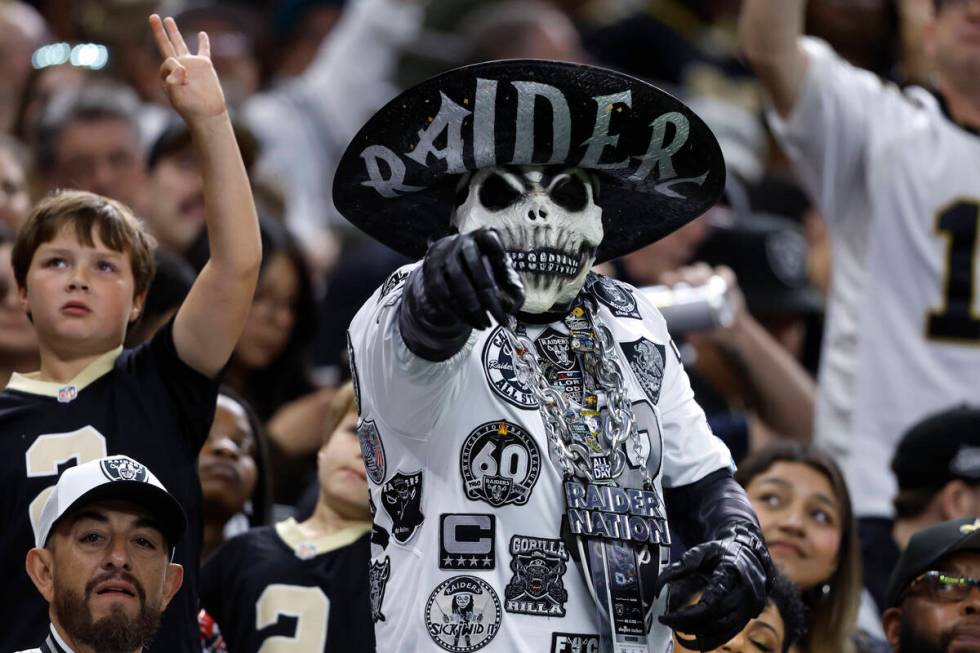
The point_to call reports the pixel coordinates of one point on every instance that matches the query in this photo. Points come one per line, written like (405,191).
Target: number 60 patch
(499,463)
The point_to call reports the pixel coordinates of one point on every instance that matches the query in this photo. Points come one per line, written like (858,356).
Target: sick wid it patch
(462,614)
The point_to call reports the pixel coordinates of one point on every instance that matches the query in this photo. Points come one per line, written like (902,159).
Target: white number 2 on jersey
(52,449)
(309,605)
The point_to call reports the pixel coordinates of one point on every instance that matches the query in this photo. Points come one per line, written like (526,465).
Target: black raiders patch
(614,294)
(574,643)
(392,282)
(536,587)
(646,359)
(378,576)
(379,535)
(499,463)
(372,450)
(401,498)
(467,541)
(553,346)
(498,365)
(353,375)
(462,614)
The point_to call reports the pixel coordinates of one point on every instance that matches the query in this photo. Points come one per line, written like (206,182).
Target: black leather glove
(738,574)
(462,277)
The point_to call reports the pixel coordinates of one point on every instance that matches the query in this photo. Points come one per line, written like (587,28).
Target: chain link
(558,411)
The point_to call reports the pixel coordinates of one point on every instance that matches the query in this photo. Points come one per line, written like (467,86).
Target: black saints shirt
(273,582)
(145,403)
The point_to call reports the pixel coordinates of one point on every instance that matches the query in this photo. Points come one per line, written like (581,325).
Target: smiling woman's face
(764,634)
(801,521)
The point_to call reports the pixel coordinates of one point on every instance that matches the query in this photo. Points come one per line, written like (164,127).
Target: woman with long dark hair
(805,511)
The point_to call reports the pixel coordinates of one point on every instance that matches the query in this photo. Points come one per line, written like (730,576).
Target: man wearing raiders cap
(527,424)
(934,592)
(105,542)
(937,467)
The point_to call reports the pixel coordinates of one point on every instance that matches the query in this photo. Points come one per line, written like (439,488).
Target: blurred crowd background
(81,106)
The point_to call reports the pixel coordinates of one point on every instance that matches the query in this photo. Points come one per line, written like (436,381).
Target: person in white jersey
(896,174)
(526,425)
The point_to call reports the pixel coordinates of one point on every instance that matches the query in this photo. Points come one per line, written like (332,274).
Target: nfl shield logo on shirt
(67,394)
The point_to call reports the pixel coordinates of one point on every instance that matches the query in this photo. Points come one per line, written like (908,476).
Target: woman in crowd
(804,508)
(232,468)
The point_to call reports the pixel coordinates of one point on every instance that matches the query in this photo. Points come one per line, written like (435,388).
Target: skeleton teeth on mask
(548,221)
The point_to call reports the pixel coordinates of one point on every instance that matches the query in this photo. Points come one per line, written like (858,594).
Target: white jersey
(899,186)
(467,494)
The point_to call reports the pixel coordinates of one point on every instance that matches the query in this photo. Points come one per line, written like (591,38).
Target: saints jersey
(273,589)
(898,185)
(145,403)
(468,494)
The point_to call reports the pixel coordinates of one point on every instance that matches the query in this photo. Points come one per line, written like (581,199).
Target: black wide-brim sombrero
(658,163)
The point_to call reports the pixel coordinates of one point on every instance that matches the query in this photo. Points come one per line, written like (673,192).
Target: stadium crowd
(174,310)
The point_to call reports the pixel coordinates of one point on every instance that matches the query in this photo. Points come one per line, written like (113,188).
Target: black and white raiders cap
(112,477)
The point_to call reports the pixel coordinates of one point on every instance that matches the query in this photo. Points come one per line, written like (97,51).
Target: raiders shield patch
(378,575)
(499,463)
(574,643)
(536,587)
(396,279)
(553,346)
(462,614)
(498,365)
(615,295)
(401,498)
(467,541)
(646,359)
(372,450)
(121,468)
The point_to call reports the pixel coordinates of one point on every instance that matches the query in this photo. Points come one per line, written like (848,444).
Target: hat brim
(902,577)
(658,164)
(164,509)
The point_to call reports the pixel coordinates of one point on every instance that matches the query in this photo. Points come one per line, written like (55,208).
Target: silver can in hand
(693,308)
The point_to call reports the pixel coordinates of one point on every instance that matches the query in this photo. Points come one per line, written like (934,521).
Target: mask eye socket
(496,194)
(570,193)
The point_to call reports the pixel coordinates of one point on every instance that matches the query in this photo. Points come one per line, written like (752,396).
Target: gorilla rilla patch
(536,587)
(462,614)
(401,498)
(498,365)
(499,463)
(378,575)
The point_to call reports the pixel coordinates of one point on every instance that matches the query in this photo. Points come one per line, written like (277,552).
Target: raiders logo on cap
(372,450)
(378,575)
(462,614)
(536,587)
(120,468)
(499,463)
(613,294)
(498,365)
(646,359)
(402,500)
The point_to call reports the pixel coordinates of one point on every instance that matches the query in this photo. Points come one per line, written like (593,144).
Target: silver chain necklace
(588,444)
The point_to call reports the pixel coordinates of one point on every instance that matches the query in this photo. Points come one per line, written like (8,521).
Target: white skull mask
(548,221)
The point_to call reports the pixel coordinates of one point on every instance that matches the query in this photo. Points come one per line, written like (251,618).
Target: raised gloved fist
(461,279)
(738,572)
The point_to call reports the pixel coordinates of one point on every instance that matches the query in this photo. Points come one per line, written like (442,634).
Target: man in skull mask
(562,425)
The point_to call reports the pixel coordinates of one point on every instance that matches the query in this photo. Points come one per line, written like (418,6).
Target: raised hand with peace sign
(189,79)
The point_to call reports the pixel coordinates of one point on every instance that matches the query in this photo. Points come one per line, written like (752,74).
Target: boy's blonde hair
(117,227)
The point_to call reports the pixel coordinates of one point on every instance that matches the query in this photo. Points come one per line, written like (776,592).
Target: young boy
(315,571)
(82,265)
